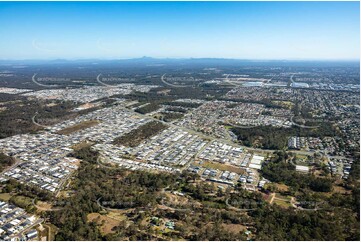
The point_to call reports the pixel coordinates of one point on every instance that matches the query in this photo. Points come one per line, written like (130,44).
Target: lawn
(285,104)
(301,156)
(5,197)
(282,203)
(279,196)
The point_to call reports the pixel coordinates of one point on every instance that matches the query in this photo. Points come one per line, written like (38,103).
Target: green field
(5,197)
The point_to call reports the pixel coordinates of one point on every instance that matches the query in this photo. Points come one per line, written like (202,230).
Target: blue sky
(244,30)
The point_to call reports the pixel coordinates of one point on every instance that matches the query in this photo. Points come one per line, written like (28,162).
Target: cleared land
(223,167)
(77,127)
(234,228)
(82,145)
(105,223)
(283,201)
(136,136)
(282,187)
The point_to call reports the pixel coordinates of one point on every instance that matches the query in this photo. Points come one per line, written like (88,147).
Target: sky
(241,30)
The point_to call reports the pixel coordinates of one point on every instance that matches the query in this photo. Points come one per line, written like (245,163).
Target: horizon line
(175,58)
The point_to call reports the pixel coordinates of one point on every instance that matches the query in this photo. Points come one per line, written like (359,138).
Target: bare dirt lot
(106,224)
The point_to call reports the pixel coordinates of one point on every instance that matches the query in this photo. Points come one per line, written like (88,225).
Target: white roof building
(255,166)
(302,168)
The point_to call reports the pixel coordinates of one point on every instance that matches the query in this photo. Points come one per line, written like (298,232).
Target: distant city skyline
(236,30)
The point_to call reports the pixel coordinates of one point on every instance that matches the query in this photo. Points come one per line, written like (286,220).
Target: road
(104,84)
(232,82)
(21,232)
(291,80)
(303,126)
(49,232)
(174,209)
(273,197)
(170,84)
(39,84)
(18,162)
(269,80)
(45,209)
(293,203)
(219,139)
(242,126)
(36,123)
(238,209)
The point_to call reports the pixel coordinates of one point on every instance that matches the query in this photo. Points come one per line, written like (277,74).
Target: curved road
(242,127)
(36,123)
(173,85)
(238,209)
(104,84)
(303,126)
(175,209)
(39,84)
(293,203)
(45,209)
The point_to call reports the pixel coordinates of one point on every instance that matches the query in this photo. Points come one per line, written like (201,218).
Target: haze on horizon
(240,30)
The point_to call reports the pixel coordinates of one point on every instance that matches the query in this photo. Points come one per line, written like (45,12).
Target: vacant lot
(82,145)
(105,223)
(281,187)
(43,206)
(234,228)
(283,201)
(223,167)
(80,126)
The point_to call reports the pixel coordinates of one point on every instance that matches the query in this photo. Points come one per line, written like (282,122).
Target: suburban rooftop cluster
(210,116)
(89,93)
(15,223)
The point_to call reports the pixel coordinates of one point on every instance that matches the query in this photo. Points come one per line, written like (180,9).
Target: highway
(303,126)
(104,84)
(291,80)
(172,85)
(39,84)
